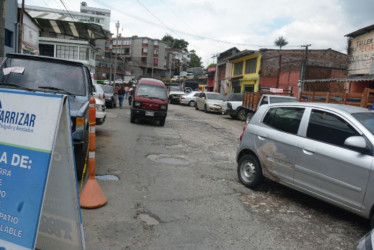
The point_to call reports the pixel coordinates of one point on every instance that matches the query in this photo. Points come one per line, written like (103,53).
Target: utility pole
(20,35)
(303,68)
(2,28)
(115,59)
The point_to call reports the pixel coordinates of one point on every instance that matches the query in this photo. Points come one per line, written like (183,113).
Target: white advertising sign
(39,205)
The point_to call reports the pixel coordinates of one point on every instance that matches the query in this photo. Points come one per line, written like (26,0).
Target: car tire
(191,103)
(249,171)
(242,115)
(205,109)
(132,117)
(162,122)
(81,158)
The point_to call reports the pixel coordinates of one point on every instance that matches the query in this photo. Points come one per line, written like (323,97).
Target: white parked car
(189,99)
(99,103)
(209,102)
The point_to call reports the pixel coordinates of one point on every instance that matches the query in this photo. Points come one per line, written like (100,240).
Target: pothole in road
(168,159)
(107,177)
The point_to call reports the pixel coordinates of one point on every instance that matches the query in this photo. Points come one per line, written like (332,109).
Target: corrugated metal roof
(361,78)
(361,31)
(85,31)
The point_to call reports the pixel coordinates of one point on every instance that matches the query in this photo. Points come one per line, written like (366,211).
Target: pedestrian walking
(121,96)
(126,92)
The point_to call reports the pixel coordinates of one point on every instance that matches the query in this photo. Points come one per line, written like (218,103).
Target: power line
(62,1)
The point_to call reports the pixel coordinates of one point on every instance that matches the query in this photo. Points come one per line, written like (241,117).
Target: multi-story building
(269,68)
(64,34)
(95,15)
(143,56)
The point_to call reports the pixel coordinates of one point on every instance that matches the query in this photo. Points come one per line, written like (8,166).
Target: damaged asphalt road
(178,189)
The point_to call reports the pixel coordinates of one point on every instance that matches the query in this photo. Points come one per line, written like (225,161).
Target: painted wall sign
(39,205)
(360,60)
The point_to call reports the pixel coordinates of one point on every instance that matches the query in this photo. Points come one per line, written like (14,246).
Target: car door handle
(262,137)
(308,151)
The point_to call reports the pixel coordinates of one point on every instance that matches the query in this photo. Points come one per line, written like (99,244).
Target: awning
(80,30)
(361,78)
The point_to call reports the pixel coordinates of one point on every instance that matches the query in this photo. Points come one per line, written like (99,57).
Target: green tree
(280,42)
(211,66)
(195,59)
(175,43)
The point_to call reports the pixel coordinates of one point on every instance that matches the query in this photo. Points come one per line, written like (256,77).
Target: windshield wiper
(143,95)
(16,86)
(58,89)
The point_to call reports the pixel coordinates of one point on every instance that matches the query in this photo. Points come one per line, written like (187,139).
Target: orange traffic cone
(92,196)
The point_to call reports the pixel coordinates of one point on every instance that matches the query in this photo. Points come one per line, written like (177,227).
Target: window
(145,41)
(8,38)
(250,66)
(67,52)
(238,69)
(47,50)
(284,119)
(155,43)
(144,50)
(127,42)
(329,128)
(144,59)
(83,54)
(155,52)
(249,88)
(127,51)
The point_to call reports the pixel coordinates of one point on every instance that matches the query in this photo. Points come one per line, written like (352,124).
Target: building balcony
(144,64)
(144,45)
(144,53)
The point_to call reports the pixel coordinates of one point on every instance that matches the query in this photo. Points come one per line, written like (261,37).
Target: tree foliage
(175,43)
(195,59)
(280,42)
(212,65)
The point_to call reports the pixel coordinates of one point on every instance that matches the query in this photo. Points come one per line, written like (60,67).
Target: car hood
(212,102)
(77,106)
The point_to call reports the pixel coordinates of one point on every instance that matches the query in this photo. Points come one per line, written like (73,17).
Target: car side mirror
(355,142)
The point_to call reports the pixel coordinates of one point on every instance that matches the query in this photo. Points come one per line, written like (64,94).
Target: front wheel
(191,103)
(249,171)
(242,114)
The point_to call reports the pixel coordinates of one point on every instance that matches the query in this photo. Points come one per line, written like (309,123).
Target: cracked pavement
(178,189)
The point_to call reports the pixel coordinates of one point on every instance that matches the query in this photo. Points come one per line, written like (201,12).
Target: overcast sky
(213,26)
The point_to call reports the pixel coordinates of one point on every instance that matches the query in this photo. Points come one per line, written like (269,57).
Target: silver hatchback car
(324,150)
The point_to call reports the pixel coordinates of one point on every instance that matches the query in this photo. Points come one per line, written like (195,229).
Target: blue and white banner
(30,124)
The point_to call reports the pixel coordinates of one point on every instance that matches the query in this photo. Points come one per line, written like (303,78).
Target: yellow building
(245,71)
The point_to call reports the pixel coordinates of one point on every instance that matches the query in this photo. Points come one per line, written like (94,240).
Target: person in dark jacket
(121,96)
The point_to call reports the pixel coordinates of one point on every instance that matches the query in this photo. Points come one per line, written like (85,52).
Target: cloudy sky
(213,26)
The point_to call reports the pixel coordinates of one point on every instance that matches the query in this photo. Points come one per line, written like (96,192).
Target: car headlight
(99,107)
(137,104)
(163,107)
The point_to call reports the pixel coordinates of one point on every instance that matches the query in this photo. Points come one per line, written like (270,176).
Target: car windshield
(107,89)
(282,99)
(151,91)
(175,88)
(366,119)
(44,76)
(237,97)
(214,96)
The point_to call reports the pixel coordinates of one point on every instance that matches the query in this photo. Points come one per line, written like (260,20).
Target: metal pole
(21,27)
(115,59)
